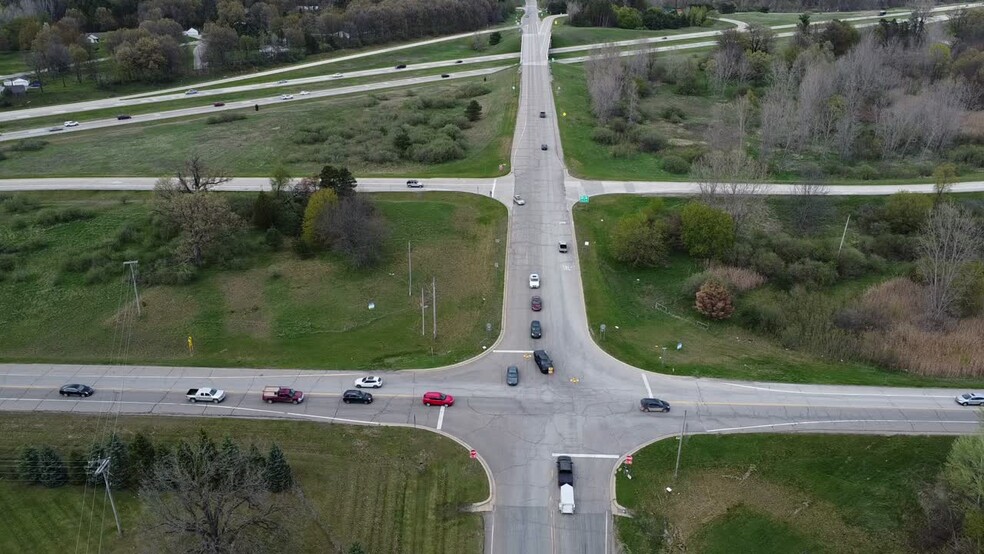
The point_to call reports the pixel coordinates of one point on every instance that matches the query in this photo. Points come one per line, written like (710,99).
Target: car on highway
(218,104)
(414,184)
(654,405)
(190,92)
(565,471)
(282,82)
(536,331)
(76,389)
(371,382)
(534,281)
(543,361)
(444,75)
(121,117)
(71,123)
(543,147)
(457,61)
(536,303)
(518,200)
(970,399)
(402,66)
(512,376)
(287,97)
(357,396)
(304,93)
(53,129)
(562,247)
(335,75)
(438,399)
(543,115)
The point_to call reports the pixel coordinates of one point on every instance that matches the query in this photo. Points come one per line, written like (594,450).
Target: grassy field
(354,127)
(564,35)
(619,295)
(410,504)
(281,311)
(12,62)
(786,18)
(779,493)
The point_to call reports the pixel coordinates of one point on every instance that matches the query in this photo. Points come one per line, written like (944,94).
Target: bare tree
(196,176)
(734,182)
(778,113)
(208,500)
(355,229)
(729,125)
(950,240)
(203,221)
(809,208)
(606,82)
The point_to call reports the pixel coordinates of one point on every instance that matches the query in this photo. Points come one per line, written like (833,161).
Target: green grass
(780,493)
(268,138)
(280,311)
(12,62)
(565,35)
(419,480)
(623,296)
(787,18)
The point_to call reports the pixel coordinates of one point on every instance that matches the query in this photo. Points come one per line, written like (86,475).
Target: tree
(264,211)
(29,465)
(473,112)
(606,82)
(278,474)
(401,141)
(840,35)
(79,58)
(733,182)
(355,229)
(714,300)
(338,179)
(964,473)
(906,212)
(142,456)
(318,203)
(204,221)
(204,500)
(77,467)
(196,176)
(809,208)
(950,239)
(628,17)
(280,181)
(52,472)
(706,232)
(943,177)
(119,462)
(495,38)
(638,240)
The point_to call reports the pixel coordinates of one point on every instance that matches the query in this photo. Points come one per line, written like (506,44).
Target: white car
(71,123)
(287,97)
(534,281)
(970,399)
(304,93)
(191,91)
(519,200)
(335,75)
(370,382)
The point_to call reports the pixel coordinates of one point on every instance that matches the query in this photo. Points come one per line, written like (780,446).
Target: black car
(402,66)
(444,75)
(356,396)
(543,361)
(123,116)
(654,405)
(512,376)
(543,115)
(565,471)
(535,330)
(457,61)
(76,390)
(543,147)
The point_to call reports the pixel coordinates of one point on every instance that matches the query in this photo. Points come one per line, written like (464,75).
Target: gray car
(512,376)
(970,399)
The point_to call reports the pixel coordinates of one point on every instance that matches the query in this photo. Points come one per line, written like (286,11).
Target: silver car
(970,399)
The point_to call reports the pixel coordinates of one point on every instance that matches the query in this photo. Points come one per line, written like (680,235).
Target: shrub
(472,90)
(20,204)
(761,313)
(227,117)
(624,150)
(673,114)
(604,135)
(791,249)
(637,240)
(7,262)
(319,202)
(858,320)
(851,263)
(724,8)
(969,154)
(737,279)
(768,263)
(706,232)
(438,150)
(273,238)
(675,165)
(812,273)
(28,145)
(52,218)
(714,301)
(895,247)
(906,212)
(970,283)
(693,283)
(649,139)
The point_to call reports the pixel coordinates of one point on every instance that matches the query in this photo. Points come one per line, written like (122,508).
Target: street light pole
(683,432)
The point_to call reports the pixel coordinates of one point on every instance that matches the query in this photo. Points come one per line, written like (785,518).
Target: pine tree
(255,458)
(278,474)
(77,466)
(338,179)
(51,468)
(97,451)
(29,467)
(142,457)
(119,465)
(474,111)
(356,548)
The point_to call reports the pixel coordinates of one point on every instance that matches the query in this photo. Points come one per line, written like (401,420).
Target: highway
(588,408)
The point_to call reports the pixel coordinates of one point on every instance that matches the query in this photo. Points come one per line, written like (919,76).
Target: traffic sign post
(628,460)
(473,454)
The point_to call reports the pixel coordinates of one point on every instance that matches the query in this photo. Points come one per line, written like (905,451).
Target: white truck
(566,499)
(206,395)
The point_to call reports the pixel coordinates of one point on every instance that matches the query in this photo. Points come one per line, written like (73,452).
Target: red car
(438,399)
(219,104)
(536,303)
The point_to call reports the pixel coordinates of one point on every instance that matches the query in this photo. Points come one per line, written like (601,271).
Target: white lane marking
(512,351)
(493,187)
(601,456)
(784,391)
(645,381)
(175,376)
(795,423)
(492,533)
(440,418)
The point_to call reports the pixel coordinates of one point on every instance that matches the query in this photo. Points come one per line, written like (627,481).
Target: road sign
(628,459)
(584,198)
(473,454)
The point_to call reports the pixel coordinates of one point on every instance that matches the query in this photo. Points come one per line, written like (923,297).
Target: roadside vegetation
(310,489)
(763,289)
(835,103)
(802,493)
(565,34)
(265,279)
(422,131)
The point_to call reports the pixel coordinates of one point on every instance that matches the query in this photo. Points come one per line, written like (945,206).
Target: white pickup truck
(206,395)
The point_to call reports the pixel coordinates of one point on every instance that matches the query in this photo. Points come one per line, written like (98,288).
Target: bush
(673,114)
(622,151)
(906,212)
(637,240)
(895,247)
(693,283)
(604,135)
(724,8)
(969,154)
(52,218)
(970,283)
(438,150)
(224,118)
(20,204)
(471,90)
(812,273)
(675,165)
(706,232)
(851,263)
(791,249)
(273,238)
(761,313)
(737,279)
(27,145)
(714,301)
(768,263)
(649,139)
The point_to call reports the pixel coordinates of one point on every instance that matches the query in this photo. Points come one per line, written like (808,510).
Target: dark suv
(543,361)
(536,331)
(654,405)
(357,396)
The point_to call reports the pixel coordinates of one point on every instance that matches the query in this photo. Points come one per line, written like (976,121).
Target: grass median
(278,311)
(779,493)
(565,35)
(390,489)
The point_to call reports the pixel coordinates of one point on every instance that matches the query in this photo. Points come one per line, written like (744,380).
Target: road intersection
(588,408)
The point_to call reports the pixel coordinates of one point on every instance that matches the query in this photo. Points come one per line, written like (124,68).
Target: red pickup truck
(282,394)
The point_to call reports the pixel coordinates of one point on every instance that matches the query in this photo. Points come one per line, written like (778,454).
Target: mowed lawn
(779,493)
(353,130)
(624,298)
(564,35)
(390,489)
(281,311)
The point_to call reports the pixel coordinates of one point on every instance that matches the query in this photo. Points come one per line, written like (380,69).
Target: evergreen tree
(255,457)
(474,111)
(29,467)
(142,457)
(338,179)
(119,464)
(278,474)
(356,548)
(495,38)
(77,466)
(97,451)
(51,468)
(264,211)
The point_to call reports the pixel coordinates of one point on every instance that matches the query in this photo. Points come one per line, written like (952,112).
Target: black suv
(654,405)
(357,396)
(543,361)
(535,330)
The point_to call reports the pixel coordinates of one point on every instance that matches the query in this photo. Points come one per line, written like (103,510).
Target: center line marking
(645,381)
(440,418)
(602,456)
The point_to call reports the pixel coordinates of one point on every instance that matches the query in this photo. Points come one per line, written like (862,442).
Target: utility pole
(434,302)
(133,278)
(683,432)
(103,470)
(421,310)
(844,234)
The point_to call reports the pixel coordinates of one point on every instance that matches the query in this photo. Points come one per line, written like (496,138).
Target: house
(192,33)
(92,39)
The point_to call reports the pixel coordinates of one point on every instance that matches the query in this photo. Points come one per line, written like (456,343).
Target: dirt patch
(245,304)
